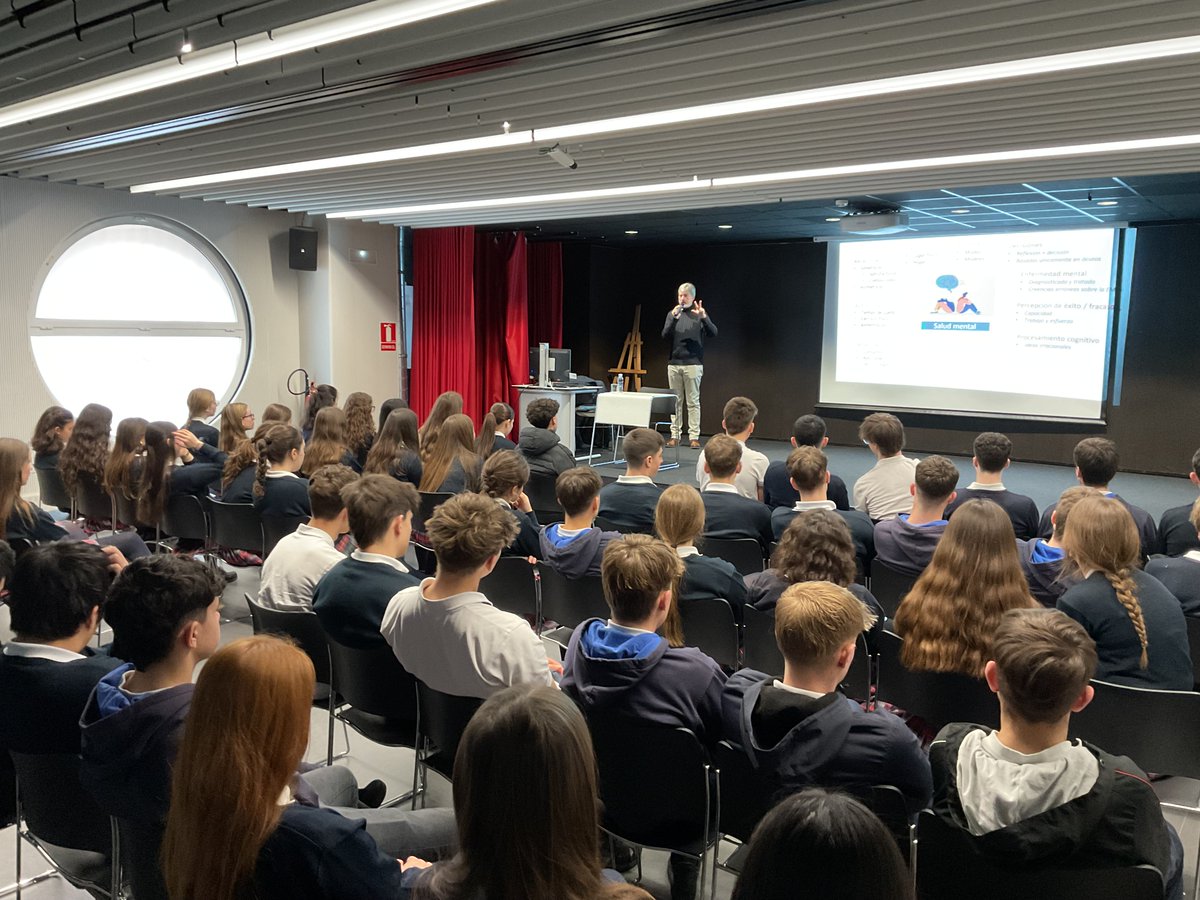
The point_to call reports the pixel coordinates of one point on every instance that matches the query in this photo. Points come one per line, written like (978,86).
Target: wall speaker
(302,249)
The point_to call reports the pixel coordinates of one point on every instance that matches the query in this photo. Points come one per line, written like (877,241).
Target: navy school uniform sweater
(1182,578)
(728,515)
(830,741)
(609,669)
(778,491)
(630,505)
(500,442)
(904,547)
(351,598)
(1176,534)
(284,496)
(1021,510)
(206,433)
(241,488)
(862,531)
(459,479)
(528,541)
(407,466)
(578,555)
(195,477)
(41,700)
(710,576)
(40,526)
(1093,604)
(1147,531)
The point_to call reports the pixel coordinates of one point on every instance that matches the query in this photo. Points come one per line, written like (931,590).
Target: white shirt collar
(976,486)
(40,651)
(1193,555)
(634,479)
(380,558)
(721,488)
(313,532)
(816,695)
(628,629)
(281,473)
(685,552)
(802,505)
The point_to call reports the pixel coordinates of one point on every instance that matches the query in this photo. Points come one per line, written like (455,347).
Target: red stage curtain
(545,293)
(444,344)
(501,319)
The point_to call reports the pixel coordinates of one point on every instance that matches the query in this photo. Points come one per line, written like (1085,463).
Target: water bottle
(621,382)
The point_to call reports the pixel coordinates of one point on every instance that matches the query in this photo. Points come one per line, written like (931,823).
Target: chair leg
(115,892)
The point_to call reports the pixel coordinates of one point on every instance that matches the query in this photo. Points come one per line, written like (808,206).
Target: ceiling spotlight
(631,231)
(560,156)
(1106,202)
(962,211)
(833,218)
(724,227)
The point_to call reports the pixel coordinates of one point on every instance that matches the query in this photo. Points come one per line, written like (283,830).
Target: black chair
(658,789)
(430,500)
(127,513)
(379,696)
(441,720)
(571,601)
(513,587)
(889,586)
(745,553)
(275,528)
(950,867)
(184,517)
(937,697)
(543,499)
(237,526)
(759,650)
(1158,730)
(1193,633)
(303,627)
(141,844)
(64,824)
(52,491)
(709,624)
(607,525)
(92,501)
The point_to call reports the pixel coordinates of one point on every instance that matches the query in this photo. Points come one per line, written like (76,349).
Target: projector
(875,223)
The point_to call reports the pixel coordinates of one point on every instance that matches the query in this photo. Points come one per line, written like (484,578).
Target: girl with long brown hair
(236,422)
(974,578)
(360,427)
(1137,624)
(124,470)
(526,800)
(246,733)
(275,414)
(241,466)
(86,454)
(397,449)
(50,435)
(449,403)
(451,465)
(162,477)
(327,447)
(321,396)
(493,431)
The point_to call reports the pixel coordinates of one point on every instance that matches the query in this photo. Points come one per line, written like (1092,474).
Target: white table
(629,409)
(564,396)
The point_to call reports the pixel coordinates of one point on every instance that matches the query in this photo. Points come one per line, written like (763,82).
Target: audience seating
(52,491)
(430,500)
(937,697)
(184,517)
(543,499)
(1158,730)
(658,789)
(1193,633)
(759,650)
(93,502)
(745,553)
(305,629)
(950,868)
(126,508)
(709,624)
(569,602)
(889,586)
(605,525)
(141,845)
(276,528)
(64,824)
(237,526)
(513,587)
(441,720)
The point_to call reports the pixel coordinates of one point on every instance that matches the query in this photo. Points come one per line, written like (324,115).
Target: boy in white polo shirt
(738,421)
(444,631)
(883,491)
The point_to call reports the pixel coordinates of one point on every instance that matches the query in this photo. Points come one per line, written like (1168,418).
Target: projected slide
(996,323)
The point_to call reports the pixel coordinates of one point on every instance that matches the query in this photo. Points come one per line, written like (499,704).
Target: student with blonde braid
(278,490)
(1138,626)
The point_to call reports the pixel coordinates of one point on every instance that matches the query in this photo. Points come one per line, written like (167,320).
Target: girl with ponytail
(161,477)
(493,432)
(278,490)
(1138,626)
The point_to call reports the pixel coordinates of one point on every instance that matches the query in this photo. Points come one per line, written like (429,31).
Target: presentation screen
(1001,324)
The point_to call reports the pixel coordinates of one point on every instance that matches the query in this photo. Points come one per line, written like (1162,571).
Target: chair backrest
(745,553)
(1193,633)
(889,586)
(950,867)
(301,625)
(444,718)
(140,846)
(237,526)
(746,794)
(51,489)
(709,625)
(127,513)
(937,697)
(184,517)
(569,602)
(430,500)
(512,586)
(540,490)
(374,682)
(654,782)
(758,642)
(56,806)
(275,528)
(1158,730)
(91,500)
(608,525)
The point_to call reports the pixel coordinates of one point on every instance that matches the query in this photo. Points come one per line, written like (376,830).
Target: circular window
(134,313)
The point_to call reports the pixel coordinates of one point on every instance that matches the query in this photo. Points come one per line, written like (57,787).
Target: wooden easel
(630,362)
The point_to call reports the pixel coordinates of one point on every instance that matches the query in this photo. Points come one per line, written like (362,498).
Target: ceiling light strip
(871,168)
(357,21)
(1041,65)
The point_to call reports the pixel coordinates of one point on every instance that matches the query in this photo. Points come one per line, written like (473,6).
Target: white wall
(326,321)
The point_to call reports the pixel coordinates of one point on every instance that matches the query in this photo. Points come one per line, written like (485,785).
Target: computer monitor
(560,365)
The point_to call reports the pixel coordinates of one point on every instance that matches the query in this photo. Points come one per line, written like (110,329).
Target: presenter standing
(686,326)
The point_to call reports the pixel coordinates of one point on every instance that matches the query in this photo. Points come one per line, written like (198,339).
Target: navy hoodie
(609,668)
(1042,565)
(904,547)
(575,557)
(831,741)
